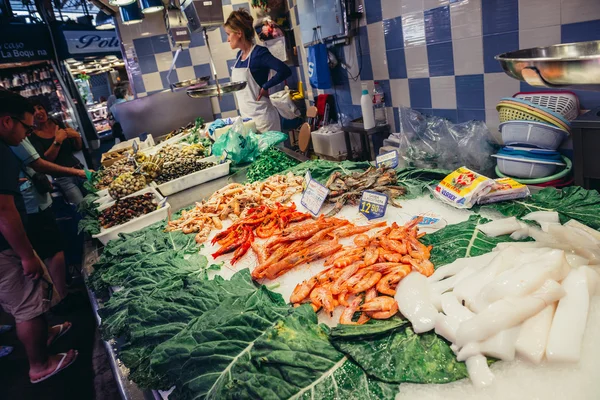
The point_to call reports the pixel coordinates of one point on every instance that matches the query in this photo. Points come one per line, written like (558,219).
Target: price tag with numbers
(389,159)
(314,196)
(373,204)
(430,220)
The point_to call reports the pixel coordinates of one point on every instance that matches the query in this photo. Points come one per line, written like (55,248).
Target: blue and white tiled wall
(436,56)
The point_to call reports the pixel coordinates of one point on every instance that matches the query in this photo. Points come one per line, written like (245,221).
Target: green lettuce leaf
(571,203)
(418,180)
(460,241)
(402,356)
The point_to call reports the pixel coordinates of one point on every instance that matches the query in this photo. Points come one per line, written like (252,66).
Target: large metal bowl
(575,65)
(212,90)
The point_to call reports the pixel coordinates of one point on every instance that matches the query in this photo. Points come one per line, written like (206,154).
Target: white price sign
(389,159)
(314,196)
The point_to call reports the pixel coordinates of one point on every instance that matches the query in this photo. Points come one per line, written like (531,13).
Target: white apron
(262,112)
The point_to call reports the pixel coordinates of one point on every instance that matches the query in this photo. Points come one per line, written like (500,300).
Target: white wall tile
(222,69)
(199,55)
(443,92)
(163,61)
(215,105)
(143,94)
(152,82)
(579,10)
(351,60)
(152,24)
(417,64)
(377,47)
(226,11)
(497,86)
(185,73)
(429,4)
(538,13)
(465,17)
(468,55)
(355,91)
(239,1)
(413,29)
(409,6)
(539,37)
(391,8)
(230,114)
(400,92)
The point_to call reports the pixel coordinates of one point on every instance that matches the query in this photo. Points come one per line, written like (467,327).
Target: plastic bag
(434,142)
(240,144)
(270,138)
(284,104)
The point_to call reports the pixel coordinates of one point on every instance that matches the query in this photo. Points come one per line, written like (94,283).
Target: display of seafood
(349,188)
(126,184)
(107,175)
(363,277)
(263,221)
(232,202)
(181,167)
(127,209)
(171,153)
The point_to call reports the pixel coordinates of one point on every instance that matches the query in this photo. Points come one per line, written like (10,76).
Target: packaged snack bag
(505,189)
(463,188)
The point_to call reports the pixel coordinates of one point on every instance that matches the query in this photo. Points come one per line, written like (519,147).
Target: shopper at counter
(253,66)
(58,143)
(24,292)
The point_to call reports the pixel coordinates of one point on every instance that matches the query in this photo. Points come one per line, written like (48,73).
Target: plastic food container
(538,134)
(530,163)
(195,178)
(560,176)
(329,144)
(135,224)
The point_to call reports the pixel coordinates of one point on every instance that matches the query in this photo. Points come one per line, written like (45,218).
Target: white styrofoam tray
(195,178)
(135,224)
(106,197)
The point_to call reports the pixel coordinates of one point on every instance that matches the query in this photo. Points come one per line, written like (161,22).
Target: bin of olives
(127,209)
(126,184)
(181,167)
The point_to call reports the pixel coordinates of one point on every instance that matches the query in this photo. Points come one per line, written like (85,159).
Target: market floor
(89,377)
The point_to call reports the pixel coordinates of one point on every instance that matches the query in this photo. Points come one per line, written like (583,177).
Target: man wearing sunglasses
(22,293)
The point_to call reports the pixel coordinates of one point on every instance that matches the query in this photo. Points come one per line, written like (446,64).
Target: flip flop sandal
(61,332)
(5,350)
(58,368)
(5,328)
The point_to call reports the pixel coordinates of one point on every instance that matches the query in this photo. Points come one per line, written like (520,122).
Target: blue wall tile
(396,64)
(227,103)
(500,16)
(580,32)
(226,2)
(441,59)
(297,16)
(147,64)
(437,25)
(366,72)
(471,115)
(392,30)
(374,11)
(183,60)
(138,83)
(143,46)
(161,44)
(420,93)
(223,34)
(449,114)
(387,91)
(230,64)
(173,77)
(197,40)
(497,44)
(470,92)
(362,42)
(396,120)
(202,70)
(218,116)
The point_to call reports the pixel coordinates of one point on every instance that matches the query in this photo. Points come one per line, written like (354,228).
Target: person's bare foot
(56,330)
(52,366)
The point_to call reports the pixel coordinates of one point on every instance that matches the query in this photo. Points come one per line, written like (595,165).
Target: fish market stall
(308,284)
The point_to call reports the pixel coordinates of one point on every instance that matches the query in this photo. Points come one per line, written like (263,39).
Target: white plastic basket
(564,103)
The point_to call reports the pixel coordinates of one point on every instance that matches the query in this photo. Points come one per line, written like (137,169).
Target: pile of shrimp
(263,221)
(232,202)
(370,271)
(303,243)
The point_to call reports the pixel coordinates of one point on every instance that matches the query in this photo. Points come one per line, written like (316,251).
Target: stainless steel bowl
(575,65)
(212,90)
(203,81)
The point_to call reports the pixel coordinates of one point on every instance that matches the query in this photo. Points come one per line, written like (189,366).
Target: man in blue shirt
(41,226)
(25,292)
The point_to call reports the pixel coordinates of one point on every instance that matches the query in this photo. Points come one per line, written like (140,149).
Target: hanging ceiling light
(121,3)
(131,14)
(151,6)
(104,21)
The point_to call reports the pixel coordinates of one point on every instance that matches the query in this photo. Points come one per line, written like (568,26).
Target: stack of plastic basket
(533,126)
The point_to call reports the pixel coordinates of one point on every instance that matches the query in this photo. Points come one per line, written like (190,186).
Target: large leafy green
(571,203)
(262,353)
(397,354)
(417,180)
(460,241)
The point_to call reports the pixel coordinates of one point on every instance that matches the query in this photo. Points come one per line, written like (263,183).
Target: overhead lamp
(131,14)
(121,3)
(152,6)
(104,21)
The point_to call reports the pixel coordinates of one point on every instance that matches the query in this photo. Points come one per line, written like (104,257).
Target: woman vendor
(253,65)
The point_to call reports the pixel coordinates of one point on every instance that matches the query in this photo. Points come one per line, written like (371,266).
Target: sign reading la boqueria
(86,42)
(22,43)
